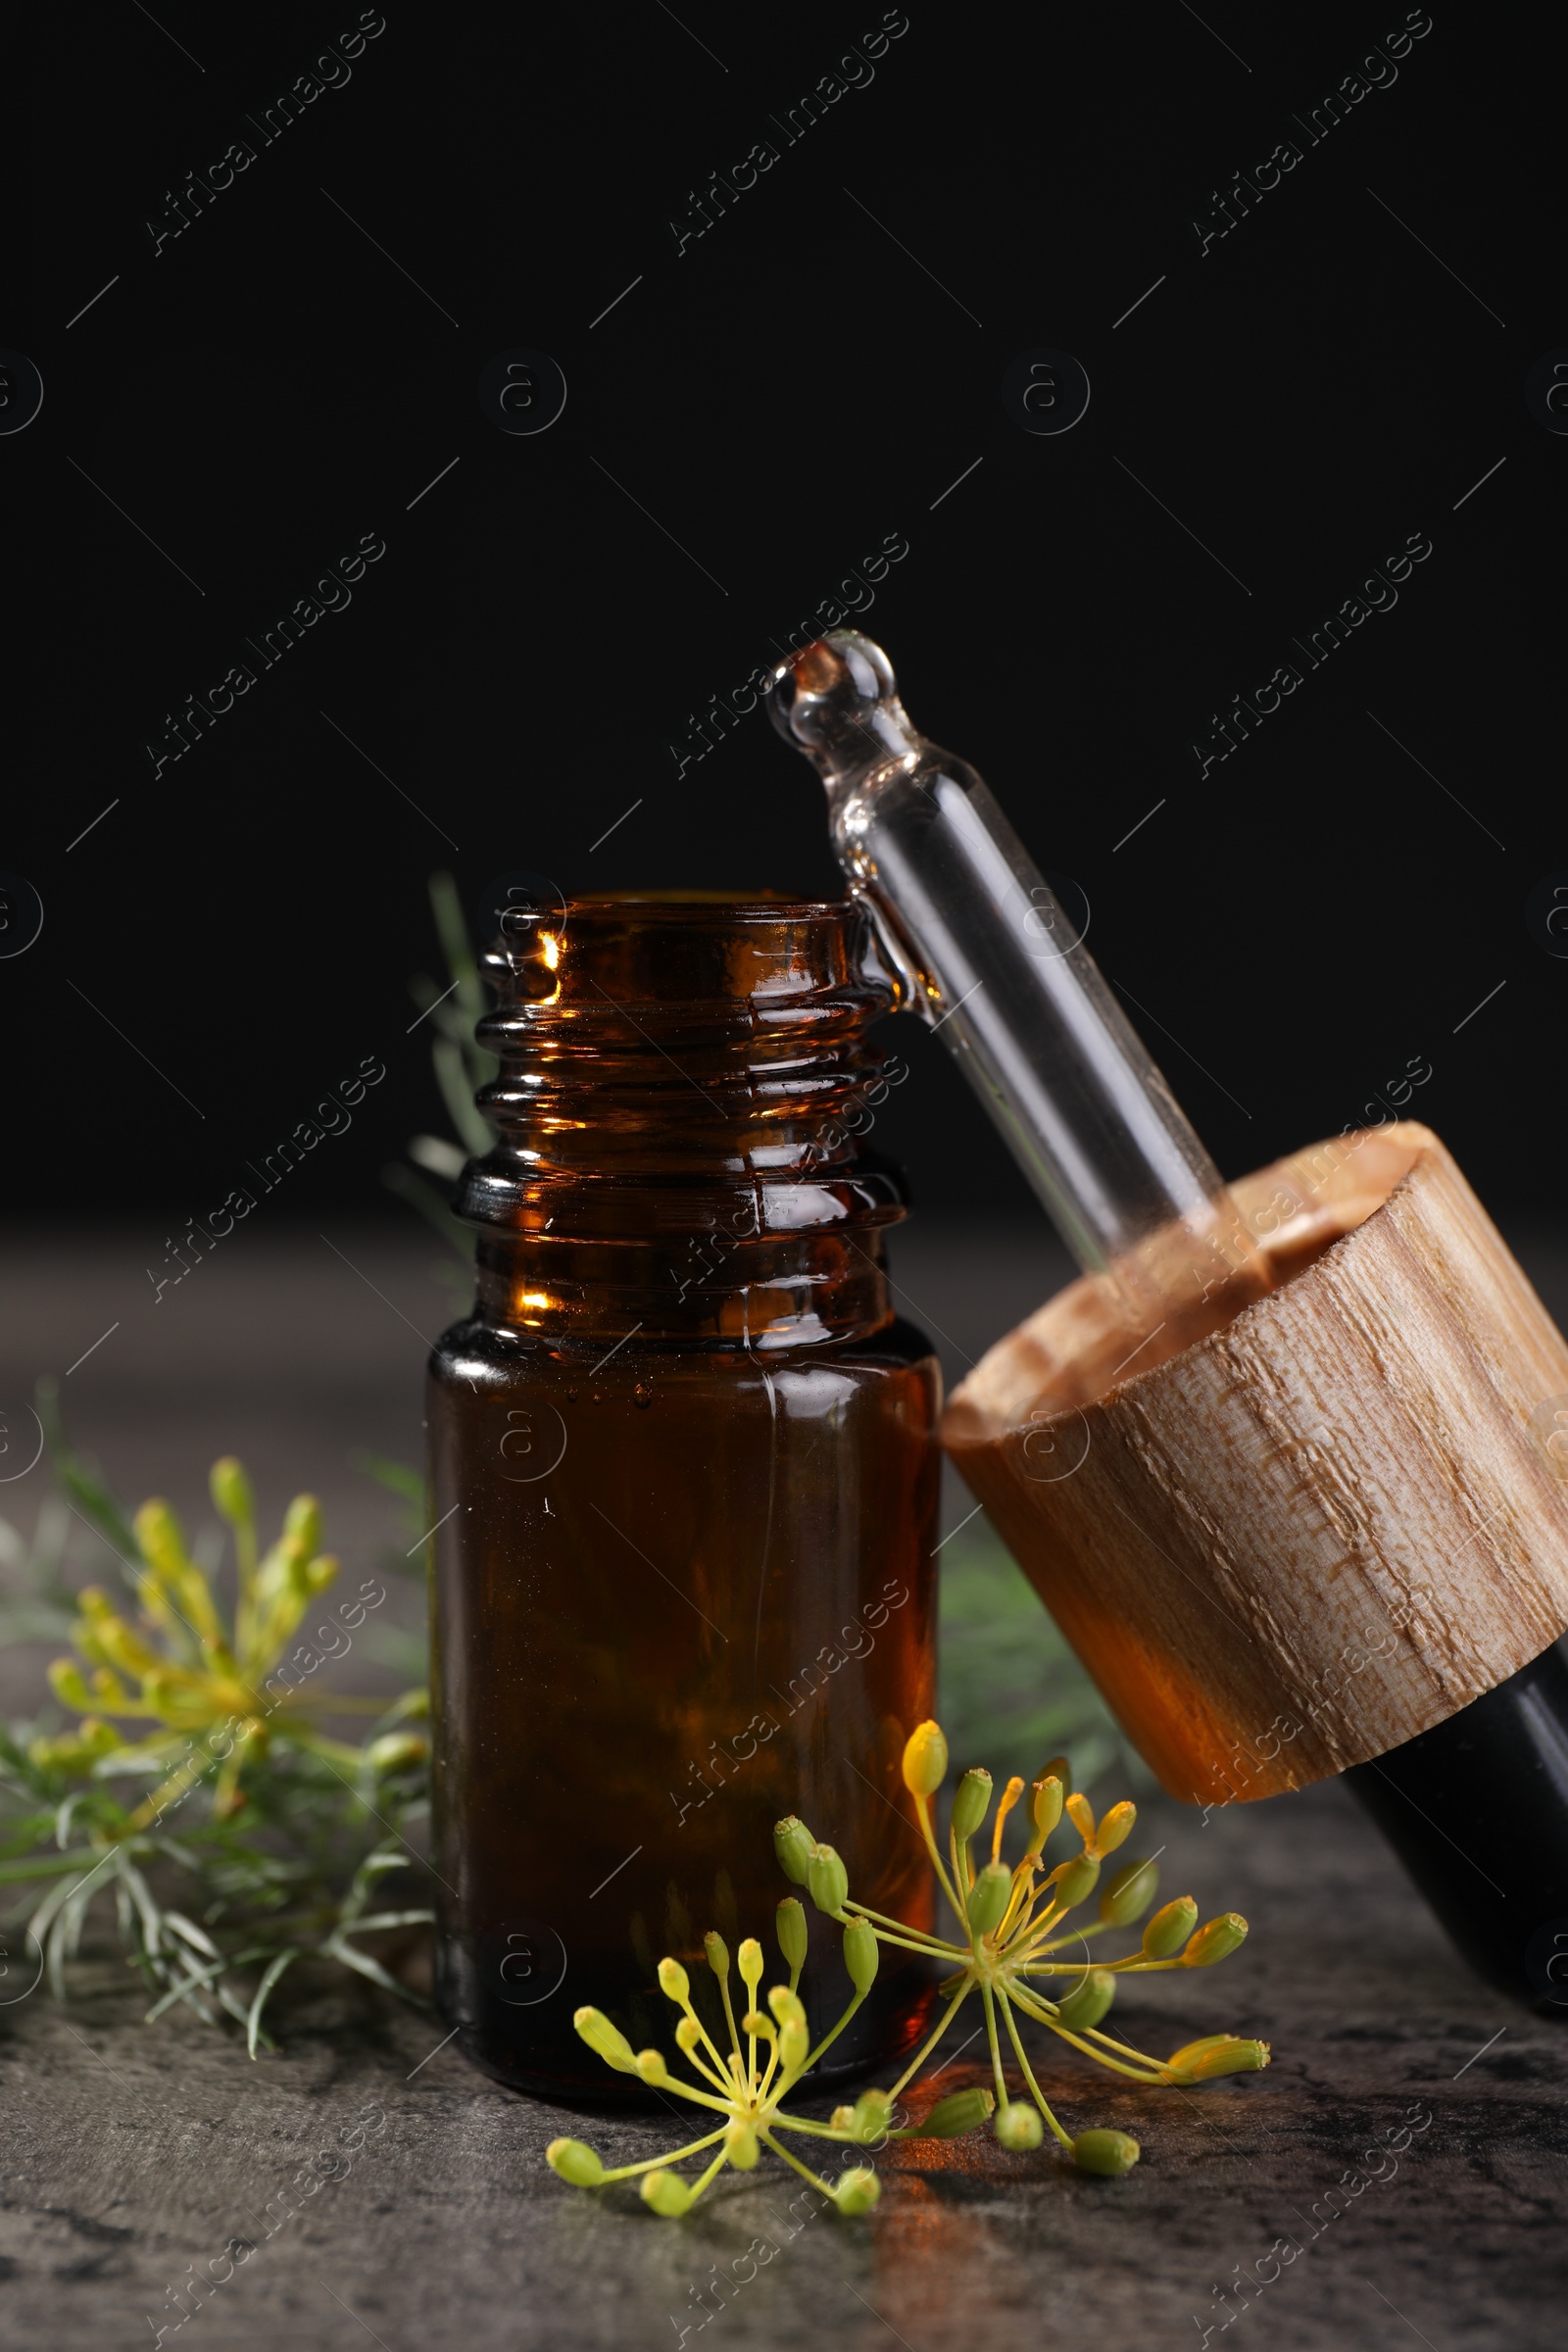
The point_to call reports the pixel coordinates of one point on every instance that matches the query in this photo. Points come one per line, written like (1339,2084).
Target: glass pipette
(983,950)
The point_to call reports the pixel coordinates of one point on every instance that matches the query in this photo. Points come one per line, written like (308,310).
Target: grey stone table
(134,2156)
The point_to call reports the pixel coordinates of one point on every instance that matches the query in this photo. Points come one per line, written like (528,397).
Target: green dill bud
(959,2111)
(717,1951)
(1215,1941)
(606,2041)
(231,1492)
(868,2116)
(67,1681)
(575,2162)
(754,2022)
(301,1524)
(1171,1927)
(1216,2054)
(971,1804)
(688,2033)
(1018,2127)
(1074,1879)
(989,1898)
(1058,1769)
(788,2007)
(77,1750)
(751,1961)
(1088,2001)
(1108,2153)
(794,1845)
(1116,1828)
(1045,1809)
(162,1544)
(856,2191)
(792,1937)
(861,1955)
(1081,1813)
(1128,1894)
(828,1881)
(925,1760)
(396,1751)
(652,2069)
(667,2195)
(842,2119)
(675,1980)
(793,2044)
(320,1571)
(740,2146)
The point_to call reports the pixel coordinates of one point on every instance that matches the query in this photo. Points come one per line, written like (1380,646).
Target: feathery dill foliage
(1012,1947)
(461,1066)
(198,1763)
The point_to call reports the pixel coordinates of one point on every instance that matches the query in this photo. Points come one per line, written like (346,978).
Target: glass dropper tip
(837,701)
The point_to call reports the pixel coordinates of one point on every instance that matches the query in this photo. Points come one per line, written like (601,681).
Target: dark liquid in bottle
(702,1620)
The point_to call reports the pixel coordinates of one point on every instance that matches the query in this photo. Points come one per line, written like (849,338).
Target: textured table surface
(131,2153)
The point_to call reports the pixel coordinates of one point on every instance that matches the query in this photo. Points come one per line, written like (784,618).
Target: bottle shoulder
(906,1341)
(473,1347)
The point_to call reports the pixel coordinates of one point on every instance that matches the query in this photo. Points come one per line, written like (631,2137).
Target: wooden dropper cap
(1319,1530)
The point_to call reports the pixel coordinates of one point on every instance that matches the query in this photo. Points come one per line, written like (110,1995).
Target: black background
(782,394)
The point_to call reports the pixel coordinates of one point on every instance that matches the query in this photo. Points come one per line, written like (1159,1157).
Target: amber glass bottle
(684,1460)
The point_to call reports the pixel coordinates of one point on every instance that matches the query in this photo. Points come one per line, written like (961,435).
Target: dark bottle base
(534,2048)
(1477,1810)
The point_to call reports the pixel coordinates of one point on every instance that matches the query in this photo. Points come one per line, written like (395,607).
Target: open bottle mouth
(679,963)
(738,903)
(676,946)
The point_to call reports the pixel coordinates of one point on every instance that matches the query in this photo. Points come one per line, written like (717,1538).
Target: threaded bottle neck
(683,1084)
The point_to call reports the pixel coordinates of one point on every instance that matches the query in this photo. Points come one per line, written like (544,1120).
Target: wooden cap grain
(1320,1530)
